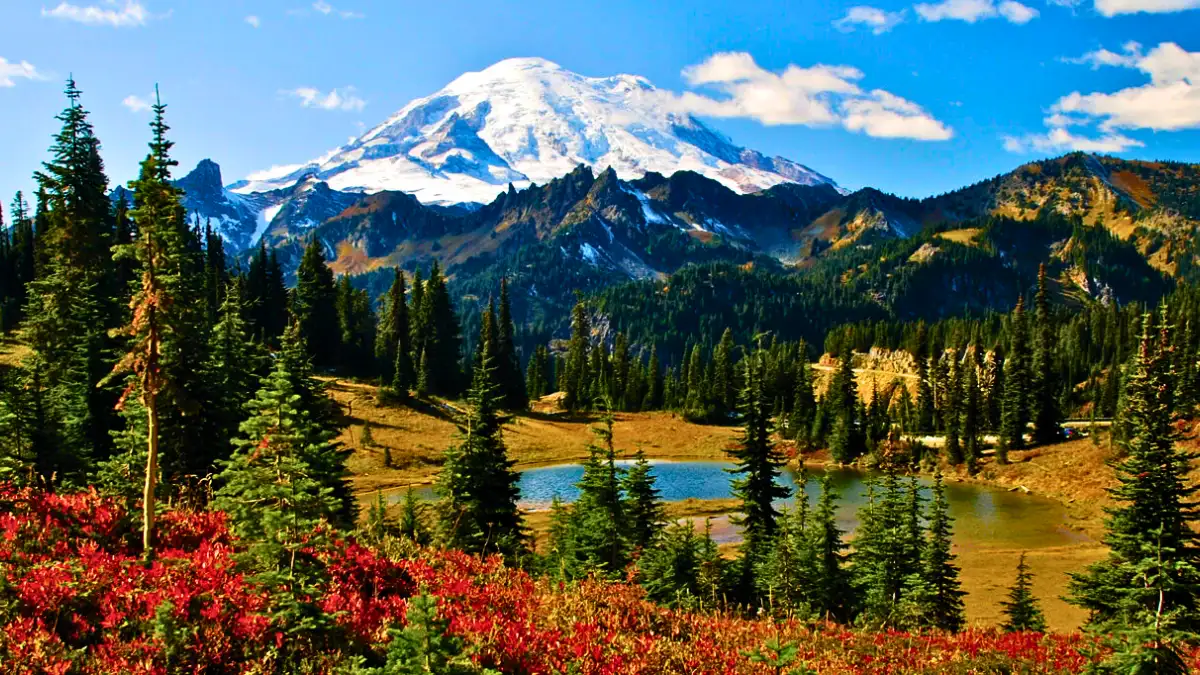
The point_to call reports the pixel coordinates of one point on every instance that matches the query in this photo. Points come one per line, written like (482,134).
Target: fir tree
(1152,525)
(724,390)
(943,605)
(230,374)
(1014,415)
(643,504)
(508,363)
(833,593)
(576,381)
(972,417)
(412,519)
(1047,420)
(952,409)
(1021,610)
(759,466)
(846,440)
(314,304)
(442,336)
(477,482)
(159,313)
(393,343)
(596,523)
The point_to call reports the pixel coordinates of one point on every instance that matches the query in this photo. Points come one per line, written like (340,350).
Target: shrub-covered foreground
(74,597)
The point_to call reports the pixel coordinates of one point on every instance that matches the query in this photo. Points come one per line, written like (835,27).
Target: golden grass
(965,236)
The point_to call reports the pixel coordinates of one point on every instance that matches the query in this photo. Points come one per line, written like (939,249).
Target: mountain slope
(528,121)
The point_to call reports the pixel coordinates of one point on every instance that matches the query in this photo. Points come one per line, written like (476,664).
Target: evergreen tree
(786,573)
(759,465)
(230,374)
(1021,610)
(508,363)
(1151,572)
(833,593)
(953,409)
(159,310)
(942,597)
(442,341)
(883,552)
(477,482)
(1014,415)
(393,342)
(643,504)
(596,523)
(576,381)
(972,416)
(537,381)
(846,442)
(71,302)
(724,390)
(1047,420)
(804,407)
(314,304)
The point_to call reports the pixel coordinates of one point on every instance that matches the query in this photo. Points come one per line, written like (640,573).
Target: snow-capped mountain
(242,219)
(528,120)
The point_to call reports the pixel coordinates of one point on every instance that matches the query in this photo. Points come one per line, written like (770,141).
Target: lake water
(982,515)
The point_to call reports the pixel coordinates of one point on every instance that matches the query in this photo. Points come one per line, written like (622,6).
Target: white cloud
(1062,140)
(10,71)
(136,103)
(322,7)
(819,95)
(253,21)
(1132,52)
(1017,13)
(878,20)
(1115,7)
(131,13)
(972,11)
(337,99)
(1170,101)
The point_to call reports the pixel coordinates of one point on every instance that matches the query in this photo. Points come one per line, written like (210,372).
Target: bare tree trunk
(150,394)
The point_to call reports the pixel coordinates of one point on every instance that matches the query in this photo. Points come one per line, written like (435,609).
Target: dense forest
(171,406)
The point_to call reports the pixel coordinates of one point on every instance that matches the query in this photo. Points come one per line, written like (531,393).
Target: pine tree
(972,416)
(279,501)
(71,302)
(846,441)
(833,593)
(804,407)
(478,484)
(1151,571)
(786,573)
(442,336)
(508,363)
(393,342)
(576,381)
(412,519)
(724,390)
(759,466)
(925,398)
(537,382)
(314,304)
(596,523)
(1047,420)
(1021,610)
(643,504)
(230,374)
(953,409)
(943,605)
(883,552)
(161,251)
(1014,415)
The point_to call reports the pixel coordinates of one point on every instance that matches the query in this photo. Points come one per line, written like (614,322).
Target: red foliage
(75,598)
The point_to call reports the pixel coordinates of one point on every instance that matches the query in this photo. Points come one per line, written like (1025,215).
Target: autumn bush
(76,598)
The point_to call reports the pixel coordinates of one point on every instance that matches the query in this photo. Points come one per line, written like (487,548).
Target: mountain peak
(204,181)
(529,120)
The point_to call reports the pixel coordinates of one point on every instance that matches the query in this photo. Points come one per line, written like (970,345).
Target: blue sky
(989,84)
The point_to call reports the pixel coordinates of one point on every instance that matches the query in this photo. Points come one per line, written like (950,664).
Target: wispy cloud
(129,14)
(325,9)
(819,95)
(253,21)
(9,72)
(137,104)
(1169,101)
(337,99)
(972,11)
(873,18)
(1115,7)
